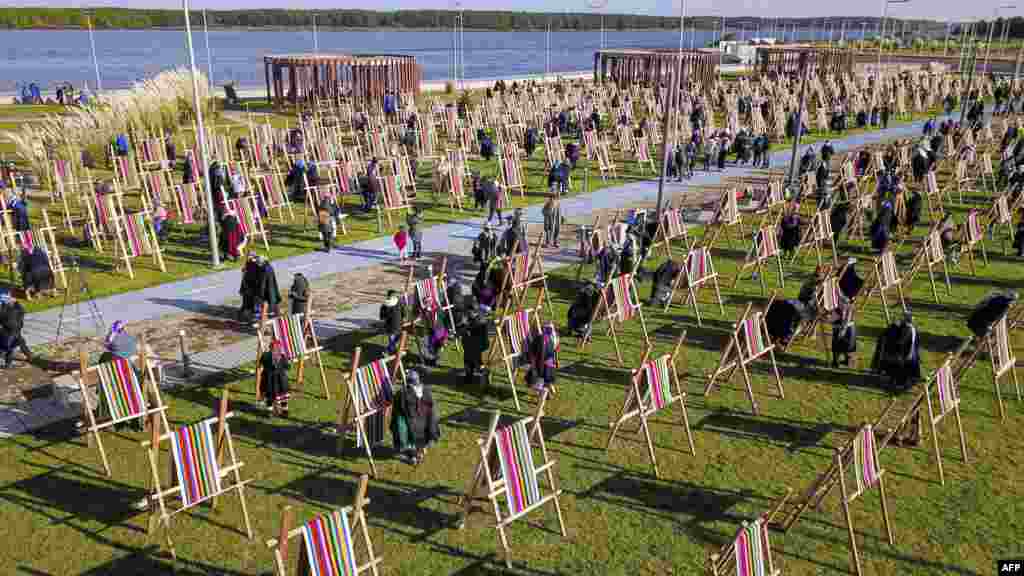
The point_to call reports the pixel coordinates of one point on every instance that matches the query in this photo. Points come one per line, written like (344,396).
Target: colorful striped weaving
(328,543)
(373,386)
(426,292)
(135,233)
(1003,357)
(932,185)
(517,330)
(946,389)
(103,209)
(933,247)
(697,265)
(623,298)
(123,168)
(245,214)
(674,226)
(195,461)
(865,467)
(191,157)
(751,554)
(889,275)
(516,457)
(1003,210)
(121,389)
(830,293)
(374,426)
(60,168)
(184,194)
(26,240)
(766,243)
(754,336)
(659,383)
(974,233)
(289,330)
(520,268)
(512,172)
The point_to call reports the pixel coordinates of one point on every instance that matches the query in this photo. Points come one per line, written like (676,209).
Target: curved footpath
(197,294)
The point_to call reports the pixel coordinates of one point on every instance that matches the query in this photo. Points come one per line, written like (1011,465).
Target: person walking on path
(401,239)
(392,314)
(12,321)
(552,219)
(299,294)
(412,220)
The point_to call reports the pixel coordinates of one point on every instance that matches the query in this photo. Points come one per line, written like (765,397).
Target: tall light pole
(316,43)
(201,137)
(547,50)
(95,59)
(991,27)
(881,36)
(209,53)
(682,24)
(462,48)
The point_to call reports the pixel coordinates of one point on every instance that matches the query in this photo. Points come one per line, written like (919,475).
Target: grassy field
(186,250)
(66,518)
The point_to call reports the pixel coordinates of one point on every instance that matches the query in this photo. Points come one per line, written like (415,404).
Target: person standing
(12,320)
(552,219)
(252,279)
(475,343)
(401,240)
(412,220)
(885,116)
(327,226)
(299,294)
(274,388)
(392,314)
(270,295)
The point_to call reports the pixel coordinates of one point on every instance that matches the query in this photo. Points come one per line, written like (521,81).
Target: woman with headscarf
(542,357)
(274,388)
(880,228)
(232,240)
(789,230)
(269,293)
(475,342)
(897,354)
(35,271)
(249,290)
(415,423)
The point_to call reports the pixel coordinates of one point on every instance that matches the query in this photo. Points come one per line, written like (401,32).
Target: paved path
(198,293)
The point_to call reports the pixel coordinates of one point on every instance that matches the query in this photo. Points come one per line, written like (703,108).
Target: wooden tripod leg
(650,443)
(855,557)
(746,382)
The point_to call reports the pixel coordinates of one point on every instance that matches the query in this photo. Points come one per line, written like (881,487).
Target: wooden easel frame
(485,484)
(510,358)
(48,240)
(309,347)
(640,404)
(160,512)
(275,195)
(723,563)
(250,220)
(613,315)
(356,512)
(359,414)
(153,414)
(392,198)
(672,227)
(693,283)
(930,254)
(844,458)
(817,234)
(727,365)
(973,236)
(515,290)
(149,243)
(756,258)
(511,171)
(727,216)
(1003,360)
(944,404)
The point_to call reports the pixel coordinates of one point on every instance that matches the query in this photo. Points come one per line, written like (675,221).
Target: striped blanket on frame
(194,451)
(516,458)
(659,383)
(328,544)
(122,392)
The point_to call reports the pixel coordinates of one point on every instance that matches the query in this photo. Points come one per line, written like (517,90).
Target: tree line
(128,18)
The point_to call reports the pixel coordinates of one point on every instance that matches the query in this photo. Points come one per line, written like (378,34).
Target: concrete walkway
(454,238)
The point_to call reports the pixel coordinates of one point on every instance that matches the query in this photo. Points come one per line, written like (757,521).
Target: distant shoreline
(321,29)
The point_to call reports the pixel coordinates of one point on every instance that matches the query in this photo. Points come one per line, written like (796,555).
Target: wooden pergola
(631,66)
(784,60)
(299,78)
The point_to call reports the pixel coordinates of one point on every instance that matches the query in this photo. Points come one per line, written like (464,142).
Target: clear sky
(933,9)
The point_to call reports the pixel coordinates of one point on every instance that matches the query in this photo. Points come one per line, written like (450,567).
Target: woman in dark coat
(35,271)
(252,280)
(789,229)
(880,228)
(475,342)
(415,423)
(232,239)
(898,354)
(664,276)
(274,379)
(542,356)
(269,293)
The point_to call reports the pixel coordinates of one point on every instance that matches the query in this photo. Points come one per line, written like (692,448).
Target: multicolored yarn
(865,467)
(754,336)
(516,458)
(659,383)
(373,386)
(328,544)
(121,389)
(517,330)
(195,461)
(290,332)
(697,265)
(135,231)
(751,551)
(625,307)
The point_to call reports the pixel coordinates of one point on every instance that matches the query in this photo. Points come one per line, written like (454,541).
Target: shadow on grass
(143,563)
(796,435)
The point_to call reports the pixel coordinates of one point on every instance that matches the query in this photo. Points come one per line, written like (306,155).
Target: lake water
(49,57)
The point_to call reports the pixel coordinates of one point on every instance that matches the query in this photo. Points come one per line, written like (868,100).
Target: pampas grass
(156,106)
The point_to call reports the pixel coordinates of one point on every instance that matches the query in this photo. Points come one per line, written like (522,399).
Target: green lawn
(65,518)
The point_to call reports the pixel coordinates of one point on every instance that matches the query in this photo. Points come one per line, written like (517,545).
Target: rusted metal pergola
(299,78)
(784,60)
(632,66)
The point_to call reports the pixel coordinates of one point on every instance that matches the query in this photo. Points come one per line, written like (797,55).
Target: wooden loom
(298,337)
(754,344)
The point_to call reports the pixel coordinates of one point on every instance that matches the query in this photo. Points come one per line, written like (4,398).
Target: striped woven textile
(1003,210)
(889,275)
(674,226)
(247,217)
(183,195)
(931,184)
(511,165)
(343,177)
(659,383)
(865,468)
(104,209)
(289,330)
(392,195)
(946,389)
(121,389)
(933,248)
(455,178)
(520,268)
(135,234)
(122,167)
(751,552)
(26,240)
(60,169)
(974,233)
(195,461)
(191,156)
(625,307)
(517,330)
(373,386)
(155,183)
(272,194)
(697,265)
(148,151)
(755,338)
(328,544)
(516,458)
(767,246)
(731,210)
(830,293)
(374,426)
(1004,359)
(426,138)
(426,293)
(642,152)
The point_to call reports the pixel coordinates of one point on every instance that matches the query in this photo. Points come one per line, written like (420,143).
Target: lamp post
(95,59)
(547,51)
(201,137)
(881,36)
(209,54)
(316,44)
(682,25)
(991,27)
